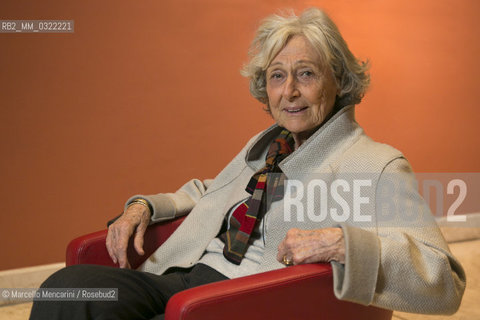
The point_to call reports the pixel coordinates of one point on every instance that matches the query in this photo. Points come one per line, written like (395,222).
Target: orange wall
(145,95)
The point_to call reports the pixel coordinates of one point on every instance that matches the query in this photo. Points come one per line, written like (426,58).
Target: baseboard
(30,277)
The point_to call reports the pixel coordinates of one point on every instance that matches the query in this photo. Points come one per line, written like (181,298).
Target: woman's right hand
(135,219)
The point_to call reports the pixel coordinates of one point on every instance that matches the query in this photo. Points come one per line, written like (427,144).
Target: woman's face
(301,90)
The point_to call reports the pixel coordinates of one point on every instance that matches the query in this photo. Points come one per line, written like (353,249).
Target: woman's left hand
(310,246)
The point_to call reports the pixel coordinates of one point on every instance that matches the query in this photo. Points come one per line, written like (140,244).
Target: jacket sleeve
(403,262)
(167,206)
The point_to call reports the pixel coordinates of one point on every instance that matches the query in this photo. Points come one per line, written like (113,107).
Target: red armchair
(300,292)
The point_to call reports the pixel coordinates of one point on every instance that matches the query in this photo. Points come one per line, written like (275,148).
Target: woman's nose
(290,91)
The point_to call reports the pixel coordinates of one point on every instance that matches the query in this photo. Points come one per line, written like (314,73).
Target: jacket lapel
(317,153)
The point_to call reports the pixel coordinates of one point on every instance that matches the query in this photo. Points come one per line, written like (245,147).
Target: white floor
(15,311)
(30,277)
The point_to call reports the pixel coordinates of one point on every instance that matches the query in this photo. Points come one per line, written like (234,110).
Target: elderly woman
(243,221)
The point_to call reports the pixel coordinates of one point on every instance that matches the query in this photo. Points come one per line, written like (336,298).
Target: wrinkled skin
(133,222)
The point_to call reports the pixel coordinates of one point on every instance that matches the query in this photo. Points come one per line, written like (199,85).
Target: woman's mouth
(294,110)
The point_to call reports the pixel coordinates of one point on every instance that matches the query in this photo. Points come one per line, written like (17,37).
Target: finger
(108,244)
(282,251)
(120,248)
(314,259)
(279,257)
(127,265)
(138,240)
(122,259)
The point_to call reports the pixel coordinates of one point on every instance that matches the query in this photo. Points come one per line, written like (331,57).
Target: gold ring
(287,261)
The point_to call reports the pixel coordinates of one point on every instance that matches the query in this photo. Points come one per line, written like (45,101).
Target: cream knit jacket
(397,260)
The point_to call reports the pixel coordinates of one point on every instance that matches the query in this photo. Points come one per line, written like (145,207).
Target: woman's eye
(276,76)
(306,73)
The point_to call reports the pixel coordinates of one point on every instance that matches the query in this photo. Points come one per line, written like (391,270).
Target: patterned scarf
(261,185)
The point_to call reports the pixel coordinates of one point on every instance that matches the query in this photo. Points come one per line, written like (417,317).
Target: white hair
(322,33)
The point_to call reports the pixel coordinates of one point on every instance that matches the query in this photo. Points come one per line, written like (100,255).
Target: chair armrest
(299,292)
(91,249)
